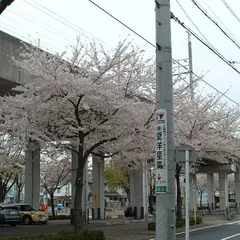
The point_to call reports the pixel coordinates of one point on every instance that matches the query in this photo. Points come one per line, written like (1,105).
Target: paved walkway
(139,230)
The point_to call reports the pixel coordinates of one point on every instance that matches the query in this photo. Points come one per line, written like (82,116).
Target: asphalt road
(130,231)
(229,231)
(20,230)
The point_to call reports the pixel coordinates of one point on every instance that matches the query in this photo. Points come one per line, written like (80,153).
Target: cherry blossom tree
(55,173)
(83,108)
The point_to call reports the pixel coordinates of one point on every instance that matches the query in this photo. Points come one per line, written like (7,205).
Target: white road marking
(197,229)
(231,223)
(231,236)
(202,228)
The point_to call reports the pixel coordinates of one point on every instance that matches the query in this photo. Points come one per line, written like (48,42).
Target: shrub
(151,226)
(179,223)
(203,208)
(84,235)
(60,217)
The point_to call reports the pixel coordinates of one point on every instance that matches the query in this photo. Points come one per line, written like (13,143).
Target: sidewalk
(124,229)
(139,230)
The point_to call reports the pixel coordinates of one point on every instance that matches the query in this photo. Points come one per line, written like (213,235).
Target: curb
(114,217)
(124,222)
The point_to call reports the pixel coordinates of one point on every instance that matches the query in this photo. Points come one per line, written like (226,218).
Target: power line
(215,22)
(179,4)
(223,94)
(205,44)
(48,27)
(10,29)
(56,14)
(62,20)
(220,21)
(122,23)
(22,26)
(231,10)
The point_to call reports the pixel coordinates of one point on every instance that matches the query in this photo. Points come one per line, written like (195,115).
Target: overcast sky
(26,20)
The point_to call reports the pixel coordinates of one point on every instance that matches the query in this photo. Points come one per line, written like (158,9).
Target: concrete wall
(9,73)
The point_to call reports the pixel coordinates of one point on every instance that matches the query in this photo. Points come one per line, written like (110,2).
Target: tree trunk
(77,211)
(52,203)
(201,195)
(3,192)
(18,194)
(127,191)
(151,196)
(179,197)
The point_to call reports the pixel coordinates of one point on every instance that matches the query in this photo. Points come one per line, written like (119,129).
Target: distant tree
(19,181)
(117,177)
(55,173)
(11,164)
(151,182)
(201,186)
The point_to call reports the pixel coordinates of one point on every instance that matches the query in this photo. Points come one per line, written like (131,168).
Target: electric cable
(200,78)
(216,23)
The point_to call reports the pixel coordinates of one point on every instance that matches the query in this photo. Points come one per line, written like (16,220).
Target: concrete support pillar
(223,190)
(132,187)
(193,192)
(237,187)
(32,177)
(210,190)
(98,188)
(137,193)
(74,175)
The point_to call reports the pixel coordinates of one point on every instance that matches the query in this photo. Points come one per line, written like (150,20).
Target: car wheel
(13,224)
(44,223)
(27,220)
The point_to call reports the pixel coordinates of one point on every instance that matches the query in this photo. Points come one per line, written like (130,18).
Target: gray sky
(26,22)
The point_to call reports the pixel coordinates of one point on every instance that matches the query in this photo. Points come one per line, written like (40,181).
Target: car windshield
(10,210)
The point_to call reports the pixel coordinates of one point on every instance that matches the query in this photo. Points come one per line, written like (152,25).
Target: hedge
(179,224)
(83,235)
(204,208)
(59,217)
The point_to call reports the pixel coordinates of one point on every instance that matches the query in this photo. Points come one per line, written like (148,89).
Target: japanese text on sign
(161,152)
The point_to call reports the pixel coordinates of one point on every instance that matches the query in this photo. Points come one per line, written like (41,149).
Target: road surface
(130,231)
(230,231)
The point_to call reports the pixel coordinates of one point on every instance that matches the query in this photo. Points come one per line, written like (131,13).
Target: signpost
(161,152)
(186,154)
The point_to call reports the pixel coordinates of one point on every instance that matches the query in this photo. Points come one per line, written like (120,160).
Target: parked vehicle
(59,207)
(9,215)
(30,215)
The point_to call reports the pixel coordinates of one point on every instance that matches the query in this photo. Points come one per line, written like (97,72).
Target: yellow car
(29,215)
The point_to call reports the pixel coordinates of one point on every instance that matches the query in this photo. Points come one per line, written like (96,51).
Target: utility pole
(145,190)
(190,64)
(187,170)
(164,163)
